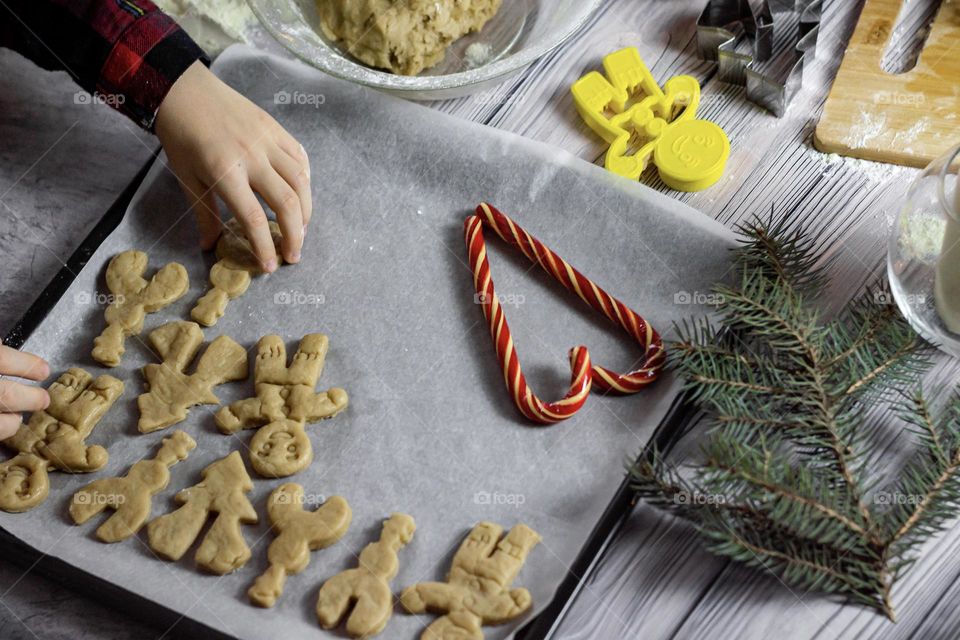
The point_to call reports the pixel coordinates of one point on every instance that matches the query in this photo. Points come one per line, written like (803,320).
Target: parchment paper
(430,429)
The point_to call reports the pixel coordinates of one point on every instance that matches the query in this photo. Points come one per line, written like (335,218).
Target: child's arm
(135,58)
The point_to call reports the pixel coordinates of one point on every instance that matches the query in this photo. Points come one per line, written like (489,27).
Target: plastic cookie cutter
(772,69)
(629,110)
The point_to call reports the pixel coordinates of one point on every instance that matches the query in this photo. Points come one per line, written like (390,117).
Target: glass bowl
(520,32)
(923,255)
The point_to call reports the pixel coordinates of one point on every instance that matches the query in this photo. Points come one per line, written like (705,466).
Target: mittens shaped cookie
(285,401)
(170,391)
(477,590)
(368,586)
(130,496)
(55,438)
(298,533)
(221,492)
(230,275)
(134,297)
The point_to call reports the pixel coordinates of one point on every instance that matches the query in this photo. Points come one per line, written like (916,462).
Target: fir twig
(782,483)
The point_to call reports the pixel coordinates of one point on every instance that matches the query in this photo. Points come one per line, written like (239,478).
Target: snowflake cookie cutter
(772,71)
(629,110)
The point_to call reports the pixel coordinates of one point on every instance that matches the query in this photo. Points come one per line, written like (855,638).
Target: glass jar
(923,259)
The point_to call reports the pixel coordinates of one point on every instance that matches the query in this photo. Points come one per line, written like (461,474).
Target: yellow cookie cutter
(690,154)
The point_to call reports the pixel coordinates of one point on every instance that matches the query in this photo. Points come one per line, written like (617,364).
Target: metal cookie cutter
(772,71)
(628,109)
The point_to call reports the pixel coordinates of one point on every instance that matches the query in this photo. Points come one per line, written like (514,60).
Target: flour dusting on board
(866,129)
(905,139)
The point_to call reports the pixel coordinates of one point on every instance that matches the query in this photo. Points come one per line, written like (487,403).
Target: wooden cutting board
(909,118)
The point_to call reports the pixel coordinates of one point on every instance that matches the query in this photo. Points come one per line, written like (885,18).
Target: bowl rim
(367,76)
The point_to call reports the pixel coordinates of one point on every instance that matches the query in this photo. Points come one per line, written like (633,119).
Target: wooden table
(655,581)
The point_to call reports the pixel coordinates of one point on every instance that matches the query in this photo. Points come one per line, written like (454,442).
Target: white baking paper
(430,430)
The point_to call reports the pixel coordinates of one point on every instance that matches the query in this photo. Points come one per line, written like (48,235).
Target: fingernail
(304,231)
(270,266)
(305,155)
(45,370)
(295,257)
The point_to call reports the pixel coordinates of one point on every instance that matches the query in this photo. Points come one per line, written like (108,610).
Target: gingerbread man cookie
(298,533)
(285,402)
(55,438)
(130,496)
(170,391)
(230,275)
(477,590)
(134,298)
(221,492)
(368,586)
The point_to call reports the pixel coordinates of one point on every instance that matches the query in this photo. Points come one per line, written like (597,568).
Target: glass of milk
(923,260)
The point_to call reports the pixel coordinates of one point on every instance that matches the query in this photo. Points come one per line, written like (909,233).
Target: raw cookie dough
(130,496)
(367,587)
(223,548)
(477,590)
(298,533)
(404,37)
(170,391)
(230,275)
(55,438)
(134,297)
(285,402)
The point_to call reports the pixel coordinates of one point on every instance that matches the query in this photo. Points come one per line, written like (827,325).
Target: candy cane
(583,374)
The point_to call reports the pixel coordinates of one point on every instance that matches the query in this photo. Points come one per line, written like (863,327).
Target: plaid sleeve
(128,52)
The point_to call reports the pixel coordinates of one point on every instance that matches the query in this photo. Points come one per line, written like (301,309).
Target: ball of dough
(403,37)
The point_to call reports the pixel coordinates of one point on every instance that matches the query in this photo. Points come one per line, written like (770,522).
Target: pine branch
(788,494)
(782,482)
(928,494)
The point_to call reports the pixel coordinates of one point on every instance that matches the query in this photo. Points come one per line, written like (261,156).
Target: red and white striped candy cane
(584,375)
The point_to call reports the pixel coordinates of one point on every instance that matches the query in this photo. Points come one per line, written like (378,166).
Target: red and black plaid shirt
(126,51)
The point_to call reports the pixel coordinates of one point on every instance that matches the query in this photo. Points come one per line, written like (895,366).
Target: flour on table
(213,24)
(874,172)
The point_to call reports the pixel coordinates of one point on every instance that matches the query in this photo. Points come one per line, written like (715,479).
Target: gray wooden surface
(61,164)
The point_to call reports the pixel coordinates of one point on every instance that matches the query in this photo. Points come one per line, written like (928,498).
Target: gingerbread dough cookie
(298,533)
(403,37)
(221,492)
(477,590)
(170,391)
(55,438)
(130,496)
(368,586)
(285,402)
(134,297)
(230,275)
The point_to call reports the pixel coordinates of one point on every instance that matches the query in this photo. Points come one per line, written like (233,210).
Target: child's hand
(16,397)
(220,143)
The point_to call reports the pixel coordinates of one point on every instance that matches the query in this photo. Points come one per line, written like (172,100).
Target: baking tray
(430,427)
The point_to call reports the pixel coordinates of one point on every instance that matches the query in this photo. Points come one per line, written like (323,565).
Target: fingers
(295,150)
(22,365)
(297,174)
(203,202)
(308,211)
(9,423)
(16,397)
(285,202)
(234,188)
